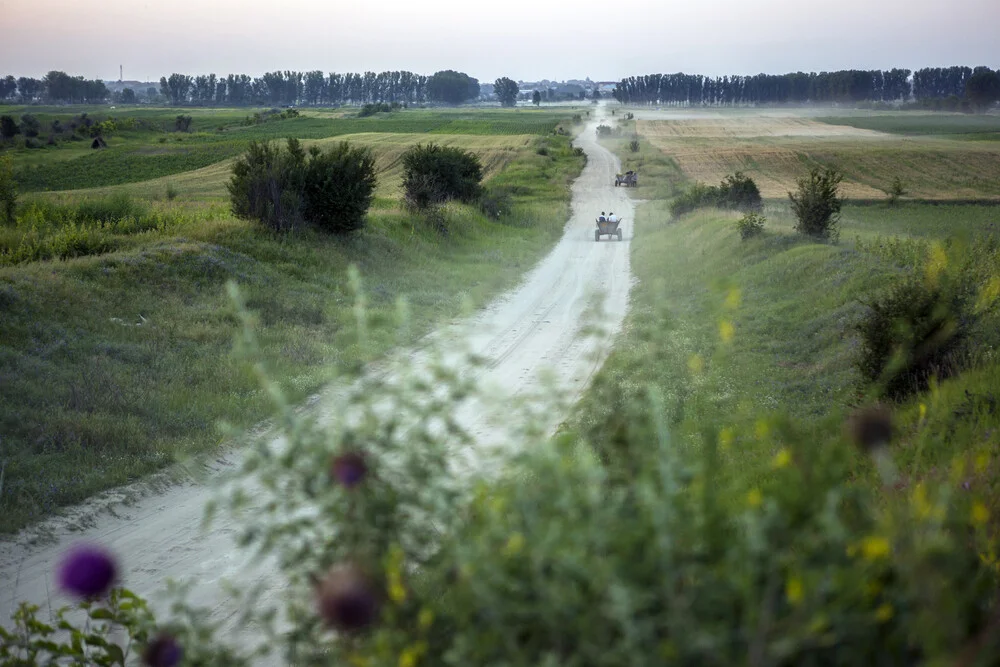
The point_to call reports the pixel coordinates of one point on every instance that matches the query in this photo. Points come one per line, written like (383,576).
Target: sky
(526,40)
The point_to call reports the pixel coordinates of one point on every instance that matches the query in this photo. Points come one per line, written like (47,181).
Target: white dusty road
(534,328)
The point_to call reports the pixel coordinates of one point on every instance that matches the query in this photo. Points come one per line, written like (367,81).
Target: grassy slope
(91,398)
(793,345)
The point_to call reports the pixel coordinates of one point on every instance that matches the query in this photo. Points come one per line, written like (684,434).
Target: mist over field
(522,39)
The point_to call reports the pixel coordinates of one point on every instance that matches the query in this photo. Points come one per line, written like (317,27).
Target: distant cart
(607,228)
(629,179)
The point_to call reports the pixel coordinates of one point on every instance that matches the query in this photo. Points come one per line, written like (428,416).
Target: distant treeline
(799,87)
(272,89)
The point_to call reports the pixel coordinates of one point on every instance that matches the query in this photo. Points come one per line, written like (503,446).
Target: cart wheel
(597,235)
(619,235)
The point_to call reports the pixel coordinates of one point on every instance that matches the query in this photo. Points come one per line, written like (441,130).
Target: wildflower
(870,428)
(726,438)
(349,469)
(696,364)
(980,514)
(762,429)
(425,618)
(982,461)
(87,572)
(755,498)
(884,612)
(875,547)
(163,651)
(793,590)
(733,298)
(920,502)
(783,458)
(347,599)
(923,412)
(726,331)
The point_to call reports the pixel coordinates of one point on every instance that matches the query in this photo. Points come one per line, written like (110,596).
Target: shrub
(750,225)
(339,187)
(911,334)
(8,190)
(604,131)
(119,206)
(30,125)
(739,191)
(896,190)
(433,174)
(542,150)
(697,196)
(378,107)
(634,145)
(266,185)
(171,192)
(8,127)
(182,123)
(817,203)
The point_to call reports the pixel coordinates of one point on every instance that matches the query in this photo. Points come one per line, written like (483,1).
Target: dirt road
(534,327)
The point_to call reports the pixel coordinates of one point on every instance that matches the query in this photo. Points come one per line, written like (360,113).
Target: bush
(634,145)
(266,185)
(8,190)
(911,334)
(182,123)
(30,125)
(543,150)
(817,203)
(339,187)
(379,107)
(895,191)
(750,225)
(738,191)
(284,188)
(433,174)
(8,127)
(697,196)
(171,192)
(118,206)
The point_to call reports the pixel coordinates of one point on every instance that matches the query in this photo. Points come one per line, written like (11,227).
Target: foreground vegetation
(116,359)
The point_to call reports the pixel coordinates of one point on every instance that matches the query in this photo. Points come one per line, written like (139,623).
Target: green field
(794,340)
(967,126)
(155,150)
(116,360)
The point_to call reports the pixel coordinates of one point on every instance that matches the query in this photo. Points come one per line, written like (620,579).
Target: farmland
(116,358)
(775,148)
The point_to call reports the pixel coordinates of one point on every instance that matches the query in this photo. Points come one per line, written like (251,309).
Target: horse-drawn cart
(607,228)
(629,179)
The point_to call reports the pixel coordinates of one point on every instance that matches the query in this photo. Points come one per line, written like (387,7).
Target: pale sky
(523,39)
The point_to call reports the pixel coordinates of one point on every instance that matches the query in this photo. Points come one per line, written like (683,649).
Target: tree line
(800,87)
(279,88)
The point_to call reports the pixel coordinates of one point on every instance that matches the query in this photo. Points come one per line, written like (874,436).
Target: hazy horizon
(531,40)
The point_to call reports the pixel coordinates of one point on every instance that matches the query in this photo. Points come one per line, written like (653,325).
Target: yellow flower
(397,592)
(696,364)
(733,298)
(783,458)
(793,590)
(989,295)
(514,546)
(937,263)
(923,412)
(920,502)
(762,429)
(884,612)
(726,438)
(726,331)
(982,461)
(958,468)
(425,618)
(411,654)
(980,514)
(875,547)
(755,498)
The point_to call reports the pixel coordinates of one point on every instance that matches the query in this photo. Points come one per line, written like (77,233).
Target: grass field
(775,150)
(116,362)
(155,150)
(735,334)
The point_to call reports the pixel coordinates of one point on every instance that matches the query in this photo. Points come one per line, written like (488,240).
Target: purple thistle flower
(347,600)
(163,651)
(87,571)
(349,469)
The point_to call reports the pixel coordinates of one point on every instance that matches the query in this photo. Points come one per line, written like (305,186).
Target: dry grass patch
(775,151)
